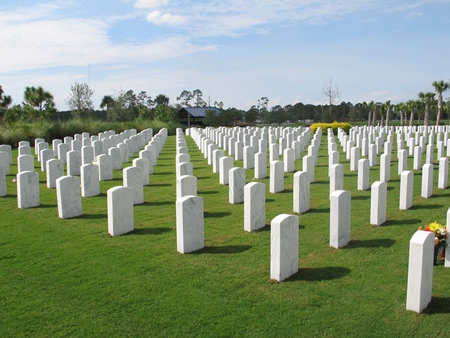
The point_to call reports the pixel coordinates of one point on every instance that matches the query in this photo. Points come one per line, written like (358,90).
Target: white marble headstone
(28,189)
(236,185)
(55,170)
(420,271)
(120,210)
(284,247)
(190,224)
(68,196)
(340,218)
(132,178)
(90,183)
(254,206)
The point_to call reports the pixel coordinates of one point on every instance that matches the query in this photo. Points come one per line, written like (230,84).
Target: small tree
(211,118)
(5,100)
(331,93)
(107,102)
(185,97)
(165,114)
(79,99)
(38,103)
(161,99)
(251,115)
(263,112)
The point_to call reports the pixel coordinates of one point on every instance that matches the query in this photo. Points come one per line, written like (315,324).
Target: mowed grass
(69,278)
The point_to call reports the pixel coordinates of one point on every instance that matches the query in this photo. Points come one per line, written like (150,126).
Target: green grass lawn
(69,278)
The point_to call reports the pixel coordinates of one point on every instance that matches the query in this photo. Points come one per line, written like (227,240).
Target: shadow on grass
(208,192)
(155,203)
(439,196)
(319,274)
(203,177)
(270,200)
(429,206)
(323,210)
(9,196)
(438,305)
(321,182)
(162,173)
(94,216)
(101,195)
(225,249)
(362,198)
(47,206)
(390,188)
(402,222)
(216,214)
(159,185)
(267,228)
(371,243)
(264,228)
(149,231)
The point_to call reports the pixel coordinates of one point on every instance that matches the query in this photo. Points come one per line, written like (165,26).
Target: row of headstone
(369,141)
(121,199)
(189,206)
(363,169)
(258,161)
(252,194)
(54,170)
(236,177)
(186,182)
(70,188)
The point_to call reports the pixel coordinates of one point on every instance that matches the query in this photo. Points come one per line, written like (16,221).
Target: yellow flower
(435,226)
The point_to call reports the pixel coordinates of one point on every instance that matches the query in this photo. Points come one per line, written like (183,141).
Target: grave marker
(68,196)
(190,224)
(284,246)
(120,210)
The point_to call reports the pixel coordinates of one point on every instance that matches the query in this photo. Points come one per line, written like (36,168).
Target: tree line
(38,105)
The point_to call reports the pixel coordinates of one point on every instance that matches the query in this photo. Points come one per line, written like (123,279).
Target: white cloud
(413,15)
(150,3)
(380,96)
(74,42)
(160,19)
(39,11)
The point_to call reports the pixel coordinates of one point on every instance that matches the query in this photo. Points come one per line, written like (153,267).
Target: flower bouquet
(440,239)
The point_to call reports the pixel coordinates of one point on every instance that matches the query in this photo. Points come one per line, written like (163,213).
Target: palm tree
(440,87)
(373,107)
(411,105)
(38,101)
(400,108)
(427,99)
(365,105)
(162,99)
(387,106)
(107,101)
(382,114)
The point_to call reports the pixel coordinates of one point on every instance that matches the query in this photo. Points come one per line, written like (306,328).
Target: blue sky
(233,51)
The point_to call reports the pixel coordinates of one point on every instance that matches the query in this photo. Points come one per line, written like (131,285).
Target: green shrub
(15,132)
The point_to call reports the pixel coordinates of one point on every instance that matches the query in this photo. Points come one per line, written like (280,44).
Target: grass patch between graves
(64,278)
